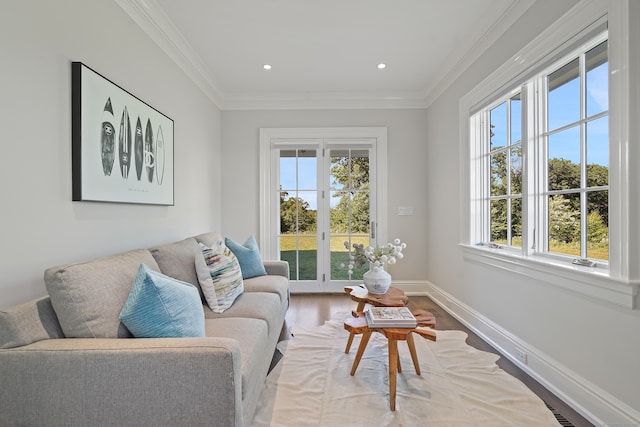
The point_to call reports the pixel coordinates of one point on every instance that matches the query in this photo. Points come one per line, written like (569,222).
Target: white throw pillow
(219,276)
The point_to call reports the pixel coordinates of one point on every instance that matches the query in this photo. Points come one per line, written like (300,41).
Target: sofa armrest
(277,268)
(91,382)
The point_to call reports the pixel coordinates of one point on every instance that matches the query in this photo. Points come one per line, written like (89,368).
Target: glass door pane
(298,235)
(349,208)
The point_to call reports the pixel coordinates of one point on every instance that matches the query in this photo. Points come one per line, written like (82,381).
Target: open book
(390,317)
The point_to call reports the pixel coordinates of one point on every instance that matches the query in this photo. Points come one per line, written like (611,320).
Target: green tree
(598,175)
(563,174)
(351,175)
(597,230)
(295,215)
(564,220)
(499,173)
(499,221)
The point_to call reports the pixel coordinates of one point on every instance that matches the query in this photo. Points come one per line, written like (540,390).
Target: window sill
(590,282)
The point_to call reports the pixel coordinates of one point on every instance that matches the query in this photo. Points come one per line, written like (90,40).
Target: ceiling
(324,54)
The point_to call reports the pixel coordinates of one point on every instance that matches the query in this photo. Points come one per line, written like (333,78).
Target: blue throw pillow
(248,257)
(160,306)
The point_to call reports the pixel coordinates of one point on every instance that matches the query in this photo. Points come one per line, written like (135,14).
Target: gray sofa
(95,374)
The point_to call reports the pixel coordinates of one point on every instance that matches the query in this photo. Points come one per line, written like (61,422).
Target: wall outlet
(521,355)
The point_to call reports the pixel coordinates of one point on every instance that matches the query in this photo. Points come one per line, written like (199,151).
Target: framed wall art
(122,148)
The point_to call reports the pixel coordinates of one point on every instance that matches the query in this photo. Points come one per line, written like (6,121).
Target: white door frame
(269,171)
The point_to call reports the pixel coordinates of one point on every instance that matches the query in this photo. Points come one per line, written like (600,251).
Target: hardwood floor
(311,310)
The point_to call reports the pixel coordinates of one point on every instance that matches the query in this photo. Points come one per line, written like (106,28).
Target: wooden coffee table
(393,298)
(358,325)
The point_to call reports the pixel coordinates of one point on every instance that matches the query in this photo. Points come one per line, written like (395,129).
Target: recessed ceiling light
(266,66)
(382,65)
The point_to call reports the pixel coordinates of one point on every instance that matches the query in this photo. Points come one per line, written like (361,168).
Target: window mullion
(539,173)
(583,157)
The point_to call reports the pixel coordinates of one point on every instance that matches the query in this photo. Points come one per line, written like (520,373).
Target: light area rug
(459,385)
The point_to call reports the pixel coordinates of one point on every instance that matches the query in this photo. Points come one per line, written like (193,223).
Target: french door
(323,195)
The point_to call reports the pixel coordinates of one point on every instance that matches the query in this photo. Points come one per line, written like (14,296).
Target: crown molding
(324,100)
(150,17)
(451,72)
(156,24)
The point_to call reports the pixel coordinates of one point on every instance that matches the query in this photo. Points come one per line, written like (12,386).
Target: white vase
(377,281)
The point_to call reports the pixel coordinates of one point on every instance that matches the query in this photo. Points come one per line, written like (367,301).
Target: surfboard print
(124,143)
(160,156)
(108,138)
(149,153)
(137,147)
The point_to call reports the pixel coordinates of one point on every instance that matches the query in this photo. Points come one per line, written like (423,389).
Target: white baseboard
(412,287)
(595,404)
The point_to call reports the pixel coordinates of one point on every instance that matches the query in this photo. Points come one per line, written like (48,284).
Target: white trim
(324,101)
(580,280)
(595,404)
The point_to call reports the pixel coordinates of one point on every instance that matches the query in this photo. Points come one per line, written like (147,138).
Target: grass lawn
(307,256)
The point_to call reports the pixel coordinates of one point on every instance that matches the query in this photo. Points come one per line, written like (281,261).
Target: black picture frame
(122,148)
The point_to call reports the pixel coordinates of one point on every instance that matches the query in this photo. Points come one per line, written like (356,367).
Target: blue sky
(564,108)
(306,178)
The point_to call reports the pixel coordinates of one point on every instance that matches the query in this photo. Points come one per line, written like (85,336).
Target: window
(505,159)
(570,219)
(577,158)
(564,113)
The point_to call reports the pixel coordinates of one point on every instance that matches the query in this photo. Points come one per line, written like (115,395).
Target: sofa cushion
(272,284)
(88,296)
(176,260)
(252,338)
(160,306)
(248,255)
(254,305)
(27,323)
(223,283)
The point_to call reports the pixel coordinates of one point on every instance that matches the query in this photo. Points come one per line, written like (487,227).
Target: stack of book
(390,317)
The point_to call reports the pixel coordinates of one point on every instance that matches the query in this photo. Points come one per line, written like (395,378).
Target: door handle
(373,230)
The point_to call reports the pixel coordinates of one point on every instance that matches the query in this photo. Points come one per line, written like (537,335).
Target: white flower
(377,257)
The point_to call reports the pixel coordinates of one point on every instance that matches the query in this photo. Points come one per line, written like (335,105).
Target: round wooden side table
(393,298)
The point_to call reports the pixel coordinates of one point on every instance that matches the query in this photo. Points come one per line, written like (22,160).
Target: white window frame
(483,156)
(619,283)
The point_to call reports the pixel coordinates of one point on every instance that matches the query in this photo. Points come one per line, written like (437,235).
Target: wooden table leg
(393,360)
(352,334)
(363,345)
(414,355)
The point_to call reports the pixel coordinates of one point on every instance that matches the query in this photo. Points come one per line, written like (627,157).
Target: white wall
(39,224)
(598,343)
(406,133)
